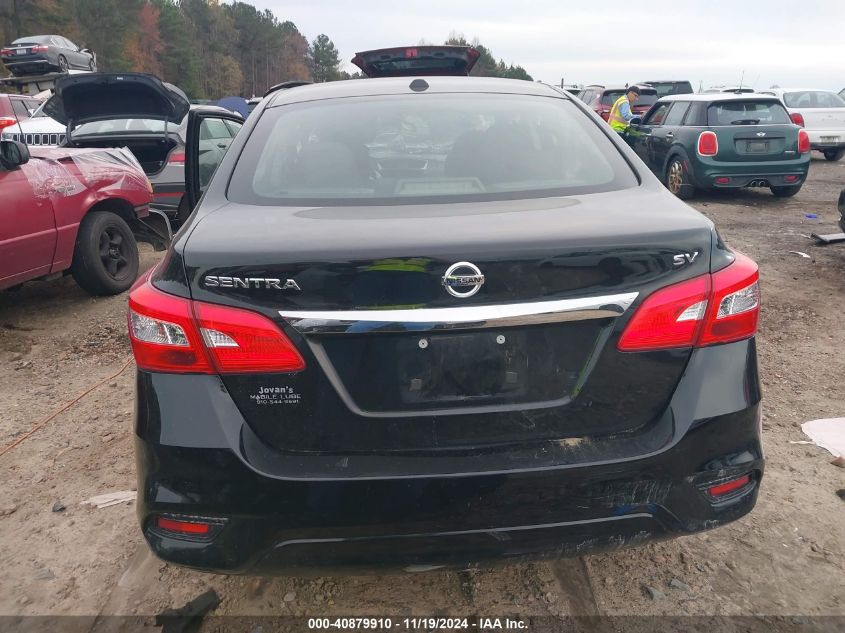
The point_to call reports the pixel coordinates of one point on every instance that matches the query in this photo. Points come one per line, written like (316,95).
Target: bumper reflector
(720,490)
(187,528)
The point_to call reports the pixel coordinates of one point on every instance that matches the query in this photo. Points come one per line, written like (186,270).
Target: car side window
(656,116)
(587,96)
(70,44)
(234,128)
(214,129)
(677,113)
(19,107)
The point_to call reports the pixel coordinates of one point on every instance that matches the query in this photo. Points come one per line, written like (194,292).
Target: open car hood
(417,60)
(101,96)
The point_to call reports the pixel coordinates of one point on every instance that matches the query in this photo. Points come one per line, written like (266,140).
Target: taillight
(803,141)
(605,114)
(797,118)
(39,49)
(176,335)
(718,308)
(176,157)
(240,341)
(708,144)
(6,52)
(192,528)
(6,121)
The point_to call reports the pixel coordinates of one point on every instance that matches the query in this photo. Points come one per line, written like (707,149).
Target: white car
(821,113)
(39,131)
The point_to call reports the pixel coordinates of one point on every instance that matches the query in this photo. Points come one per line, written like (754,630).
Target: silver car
(142,113)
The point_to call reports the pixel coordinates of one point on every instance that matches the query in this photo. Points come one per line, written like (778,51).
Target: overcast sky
(786,42)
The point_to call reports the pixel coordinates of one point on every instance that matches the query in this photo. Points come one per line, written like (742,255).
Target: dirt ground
(785,558)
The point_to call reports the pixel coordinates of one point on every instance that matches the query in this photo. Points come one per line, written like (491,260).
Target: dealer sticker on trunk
(276,396)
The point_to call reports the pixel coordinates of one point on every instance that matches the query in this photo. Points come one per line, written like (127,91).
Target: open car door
(209,134)
(417,60)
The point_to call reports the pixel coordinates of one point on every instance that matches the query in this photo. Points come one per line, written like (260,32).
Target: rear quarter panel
(75,188)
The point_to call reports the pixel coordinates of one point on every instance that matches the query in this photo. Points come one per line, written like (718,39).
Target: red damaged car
(602,98)
(72,211)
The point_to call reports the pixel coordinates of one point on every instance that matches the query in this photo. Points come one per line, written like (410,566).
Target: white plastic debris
(828,433)
(110,499)
(801,254)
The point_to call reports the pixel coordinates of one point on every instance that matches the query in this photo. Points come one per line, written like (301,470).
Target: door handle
(670,135)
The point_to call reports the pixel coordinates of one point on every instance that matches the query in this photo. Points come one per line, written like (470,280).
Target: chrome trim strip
(470,317)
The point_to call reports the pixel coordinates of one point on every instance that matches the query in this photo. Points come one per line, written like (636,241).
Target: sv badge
(684,258)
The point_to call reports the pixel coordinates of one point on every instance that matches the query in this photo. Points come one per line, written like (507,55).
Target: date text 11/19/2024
(419,624)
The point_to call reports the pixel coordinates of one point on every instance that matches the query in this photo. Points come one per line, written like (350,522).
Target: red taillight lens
(733,485)
(39,49)
(6,121)
(735,305)
(6,52)
(176,157)
(708,144)
(705,310)
(671,317)
(162,332)
(605,115)
(175,335)
(797,118)
(190,528)
(240,341)
(803,141)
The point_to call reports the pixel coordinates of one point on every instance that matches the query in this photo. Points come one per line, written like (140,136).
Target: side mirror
(637,120)
(13,154)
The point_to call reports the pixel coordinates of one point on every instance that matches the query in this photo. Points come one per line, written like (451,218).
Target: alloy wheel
(113,252)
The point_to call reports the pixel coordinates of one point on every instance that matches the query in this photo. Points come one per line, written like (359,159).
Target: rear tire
(833,154)
(105,258)
(677,179)
(63,64)
(91,66)
(785,192)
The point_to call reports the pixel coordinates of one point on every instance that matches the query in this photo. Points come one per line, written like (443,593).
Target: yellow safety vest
(616,120)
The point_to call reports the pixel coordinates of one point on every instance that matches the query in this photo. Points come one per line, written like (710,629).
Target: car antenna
(741,80)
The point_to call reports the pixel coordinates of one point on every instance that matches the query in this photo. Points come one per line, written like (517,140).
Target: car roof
(642,86)
(34,38)
(718,96)
(799,90)
(402,85)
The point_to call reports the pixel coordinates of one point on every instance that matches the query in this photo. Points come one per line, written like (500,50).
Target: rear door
(27,225)
(753,130)
(208,136)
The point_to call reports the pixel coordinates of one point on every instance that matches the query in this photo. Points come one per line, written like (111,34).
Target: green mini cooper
(706,141)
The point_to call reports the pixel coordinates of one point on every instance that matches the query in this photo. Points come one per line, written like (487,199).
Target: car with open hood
(722,141)
(142,113)
(423,320)
(76,212)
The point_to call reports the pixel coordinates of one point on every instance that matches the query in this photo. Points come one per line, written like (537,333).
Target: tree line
(207,48)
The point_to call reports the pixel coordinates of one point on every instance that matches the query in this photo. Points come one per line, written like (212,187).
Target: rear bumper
(192,462)
(29,64)
(709,173)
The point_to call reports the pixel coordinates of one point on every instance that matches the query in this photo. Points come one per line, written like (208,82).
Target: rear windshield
(813,99)
(425,148)
(747,113)
(666,88)
(647,98)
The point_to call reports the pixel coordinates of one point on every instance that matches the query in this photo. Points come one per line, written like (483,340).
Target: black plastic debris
(188,619)
(830,238)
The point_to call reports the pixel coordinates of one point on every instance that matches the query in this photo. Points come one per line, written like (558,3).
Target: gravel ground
(785,558)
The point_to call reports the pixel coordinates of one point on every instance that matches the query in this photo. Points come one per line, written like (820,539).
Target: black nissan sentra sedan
(436,320)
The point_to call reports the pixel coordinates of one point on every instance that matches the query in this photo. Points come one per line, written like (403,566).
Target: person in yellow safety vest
(620,113)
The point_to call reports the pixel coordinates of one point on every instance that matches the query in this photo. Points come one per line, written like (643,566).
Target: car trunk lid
(103,96)
(397,363)
(417,60)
